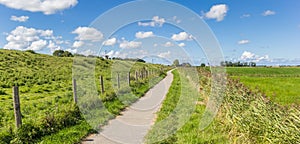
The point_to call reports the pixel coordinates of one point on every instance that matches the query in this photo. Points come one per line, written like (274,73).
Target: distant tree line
(238,64)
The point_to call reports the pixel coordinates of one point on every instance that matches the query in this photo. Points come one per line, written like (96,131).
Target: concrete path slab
(134,123)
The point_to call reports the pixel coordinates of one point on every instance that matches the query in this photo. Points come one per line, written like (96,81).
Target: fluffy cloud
(181,44)
(78,44)
(38,45)
(168,44)
(268,13)
(53,46)
(217,12)
(142,35)
(156,21)
(245,15)
(23,38)
(130,44)
(241,42)
(19,19)
(164,54)
(181,36)
(45,6)
(88,33)
(248,56)
(175,19)
(110,42)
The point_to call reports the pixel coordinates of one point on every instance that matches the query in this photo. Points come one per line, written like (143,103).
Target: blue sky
(263,31)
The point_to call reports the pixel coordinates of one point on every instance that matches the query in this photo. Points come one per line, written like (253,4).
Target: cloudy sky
(262,31)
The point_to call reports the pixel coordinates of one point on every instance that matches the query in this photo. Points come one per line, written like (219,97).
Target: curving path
(134,123)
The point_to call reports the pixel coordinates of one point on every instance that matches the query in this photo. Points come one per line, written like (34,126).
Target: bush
(27,133)
(31,51)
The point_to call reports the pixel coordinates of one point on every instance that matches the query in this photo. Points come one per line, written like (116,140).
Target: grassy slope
(244,117)
(279,84)
(46,89)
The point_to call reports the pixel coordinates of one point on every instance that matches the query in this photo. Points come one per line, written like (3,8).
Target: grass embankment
(245,116)
(187,130)
(47,108)
(281,85)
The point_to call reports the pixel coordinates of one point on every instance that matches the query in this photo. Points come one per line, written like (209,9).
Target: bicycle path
(133,124)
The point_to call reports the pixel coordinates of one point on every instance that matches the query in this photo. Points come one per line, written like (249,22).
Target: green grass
(178,130)
(245,116)
(279,84)
(45,84)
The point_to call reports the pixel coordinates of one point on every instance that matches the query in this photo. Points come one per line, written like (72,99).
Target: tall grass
(245,116)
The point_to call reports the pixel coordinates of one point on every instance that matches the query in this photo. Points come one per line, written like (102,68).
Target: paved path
(135,122)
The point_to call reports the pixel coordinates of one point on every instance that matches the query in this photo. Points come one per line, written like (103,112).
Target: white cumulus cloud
(181,36)
(241,42)
(168,44)
(181,44)
(23,38)
(268,13)
(245,15)
(110,42)
(88,34)
(78,44)
(142,35)
(217,12)
(19,19)
(45,6)
(248,56)
(38,45)
(156,21)
(165,54)
(130,44)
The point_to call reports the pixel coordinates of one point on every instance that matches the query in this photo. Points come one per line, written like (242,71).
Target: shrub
(31,51)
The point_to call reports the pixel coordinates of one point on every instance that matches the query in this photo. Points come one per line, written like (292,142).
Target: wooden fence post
(102,84)
(75,91)
(118,79)
(17,109)
(142,74)
(136,76)
(129,78)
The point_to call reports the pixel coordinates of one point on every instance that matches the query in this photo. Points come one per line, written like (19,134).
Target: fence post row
(75,91)
(17,109)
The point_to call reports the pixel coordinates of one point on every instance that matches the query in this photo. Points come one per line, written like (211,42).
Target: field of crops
(45,83)
(245,116)
(279,84)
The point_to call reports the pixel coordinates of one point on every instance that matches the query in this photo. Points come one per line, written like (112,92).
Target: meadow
(245,116)
(48,111)
(279,84)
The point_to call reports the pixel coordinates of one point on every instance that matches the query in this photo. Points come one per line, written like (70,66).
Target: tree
(176,62)
(61,53)
(186,65)
(141,60)
(58,53)
(252,64)
(202,65)
(67,54)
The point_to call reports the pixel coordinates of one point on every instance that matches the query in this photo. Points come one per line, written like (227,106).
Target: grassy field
(279,84)
(188,131)
(45,84)
(245,116)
